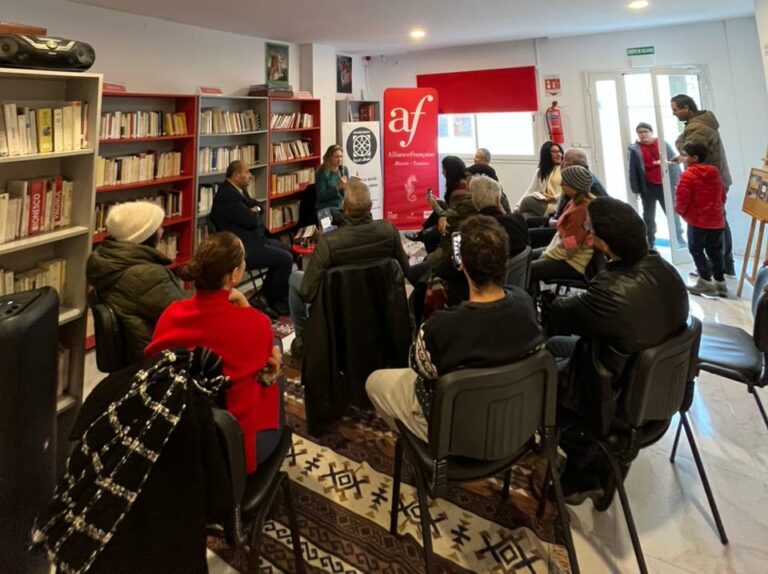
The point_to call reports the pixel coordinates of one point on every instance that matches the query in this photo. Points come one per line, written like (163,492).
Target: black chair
(519,270)
(733,353)
(656,385)
(307,207)
(504,407)
(255,494)
(108,333)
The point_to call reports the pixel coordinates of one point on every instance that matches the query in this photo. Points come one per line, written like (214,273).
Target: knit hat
(644,126)
(134,222)
(577,177)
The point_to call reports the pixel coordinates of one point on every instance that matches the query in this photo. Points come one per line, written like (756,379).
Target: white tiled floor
(670,508)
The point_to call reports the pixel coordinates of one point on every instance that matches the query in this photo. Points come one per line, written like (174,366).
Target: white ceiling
(374,27)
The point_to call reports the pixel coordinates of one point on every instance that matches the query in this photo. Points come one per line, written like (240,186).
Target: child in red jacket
(700,200)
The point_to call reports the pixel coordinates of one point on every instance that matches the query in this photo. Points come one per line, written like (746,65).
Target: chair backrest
(653,385)
(110,340)
(518,269)
(491,413)
(307,209)
(760,311)
(231,440)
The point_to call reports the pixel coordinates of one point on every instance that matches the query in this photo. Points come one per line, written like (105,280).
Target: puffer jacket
(135,282)
(700,197)
(627,307)
(703,128)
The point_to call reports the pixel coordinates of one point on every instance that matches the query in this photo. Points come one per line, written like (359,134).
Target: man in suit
(234,210)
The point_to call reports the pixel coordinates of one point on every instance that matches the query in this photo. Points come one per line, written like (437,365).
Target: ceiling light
(638,4)
(418,34)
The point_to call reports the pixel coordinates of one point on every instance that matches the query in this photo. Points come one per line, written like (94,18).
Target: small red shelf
(288,130)
(296,160)
(147,139)
(145,183)
(285,227)
(303,250)
(291,193)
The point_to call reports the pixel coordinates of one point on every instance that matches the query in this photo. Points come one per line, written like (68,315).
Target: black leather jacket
(627,307)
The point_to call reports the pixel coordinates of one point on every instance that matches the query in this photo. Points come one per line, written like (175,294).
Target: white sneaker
(722,288)
(703,287)
(693,274)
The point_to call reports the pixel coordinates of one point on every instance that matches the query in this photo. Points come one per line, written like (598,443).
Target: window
(504,134)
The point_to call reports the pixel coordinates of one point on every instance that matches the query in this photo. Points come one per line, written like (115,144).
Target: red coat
(242,337)
(700,197)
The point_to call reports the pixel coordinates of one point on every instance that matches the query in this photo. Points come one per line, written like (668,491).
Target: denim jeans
(299,309)
(709,241)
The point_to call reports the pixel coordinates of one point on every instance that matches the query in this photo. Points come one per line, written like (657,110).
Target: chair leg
(562,511)
(677,438)
(507,482)
(760,406)
(294,526)
(704,479)
(254,550)
(393,513)
(426,526)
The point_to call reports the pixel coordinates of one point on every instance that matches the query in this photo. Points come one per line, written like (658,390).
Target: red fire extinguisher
(555,123)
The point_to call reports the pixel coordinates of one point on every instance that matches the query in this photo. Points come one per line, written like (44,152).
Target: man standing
(702,127)
(645,179)
(359,239)
(236,211)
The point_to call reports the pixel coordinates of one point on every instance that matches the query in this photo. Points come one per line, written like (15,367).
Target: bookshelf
(294,155)
(236,127)
(355,111)
(70,242)
(135,124)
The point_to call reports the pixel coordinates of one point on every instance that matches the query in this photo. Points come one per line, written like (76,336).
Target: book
(32,131)
(67,126)
(11,128)
(45,130)
(3,137)
(58,130)
(37,192)
(77,124)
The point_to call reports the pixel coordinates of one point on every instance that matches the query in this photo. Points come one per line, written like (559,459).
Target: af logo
(361,146)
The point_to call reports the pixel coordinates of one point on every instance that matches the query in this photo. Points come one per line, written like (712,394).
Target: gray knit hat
(577,177)
(135,221)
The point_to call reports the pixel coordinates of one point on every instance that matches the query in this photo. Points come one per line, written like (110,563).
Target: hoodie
(703,128)
(700,197)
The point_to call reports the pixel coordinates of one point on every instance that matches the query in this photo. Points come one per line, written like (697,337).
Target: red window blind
(479,91)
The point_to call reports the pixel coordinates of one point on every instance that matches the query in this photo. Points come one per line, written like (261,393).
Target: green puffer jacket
(134,281)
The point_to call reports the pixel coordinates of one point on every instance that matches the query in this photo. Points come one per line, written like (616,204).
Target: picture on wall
(277,64)
(344,74)
(756,196)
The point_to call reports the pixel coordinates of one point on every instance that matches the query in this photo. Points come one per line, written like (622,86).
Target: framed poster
(756,197)
(276,64)
(344,74)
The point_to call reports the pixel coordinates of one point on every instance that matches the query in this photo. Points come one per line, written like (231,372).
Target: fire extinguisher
(555,123)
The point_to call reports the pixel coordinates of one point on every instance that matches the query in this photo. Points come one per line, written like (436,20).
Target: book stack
(205,198)
(170,201)
(366,112)
(25,131)
(218,121)
(283,215)
(285,151)
(271,91)
(62,371)
(137,167)
(291,121)
(292,181)
(212,159)
(169,245)
(49,273)
(29,207)
(202,232)
(133,125)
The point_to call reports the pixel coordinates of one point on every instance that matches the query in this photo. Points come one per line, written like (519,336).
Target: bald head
(574,156)
(357,198)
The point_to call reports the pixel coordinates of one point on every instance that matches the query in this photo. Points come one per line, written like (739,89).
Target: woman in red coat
(219,318)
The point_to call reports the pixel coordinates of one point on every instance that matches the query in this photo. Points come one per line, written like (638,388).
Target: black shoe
(281,307)
(257,302)
(414,235)
(297,348)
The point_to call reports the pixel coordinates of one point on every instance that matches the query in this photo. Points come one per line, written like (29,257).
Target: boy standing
(700,200)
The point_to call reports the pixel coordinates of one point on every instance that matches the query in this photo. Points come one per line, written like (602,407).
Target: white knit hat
(134,222)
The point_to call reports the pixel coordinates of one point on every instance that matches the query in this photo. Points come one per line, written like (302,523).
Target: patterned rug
(342,484)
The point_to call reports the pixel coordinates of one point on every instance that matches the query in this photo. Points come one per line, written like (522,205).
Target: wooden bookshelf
(350,111)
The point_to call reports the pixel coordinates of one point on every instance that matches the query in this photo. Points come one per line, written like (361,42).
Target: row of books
(132,125)
(49,273)
(137,167)
(29,207)
(25,131)
(291,121)
(169,200)
(218,121)
(205,197)
(284,151)
(283,215)
(271,91)
(62,371)
(291,181)
(218,158)
(169,245)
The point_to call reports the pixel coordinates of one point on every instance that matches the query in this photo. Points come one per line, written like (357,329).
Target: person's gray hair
(485,153)
(485,192)
(357,197)
(577,156)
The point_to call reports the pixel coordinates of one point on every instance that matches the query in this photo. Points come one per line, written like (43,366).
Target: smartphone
(456,245)
(325,219)
(430,193)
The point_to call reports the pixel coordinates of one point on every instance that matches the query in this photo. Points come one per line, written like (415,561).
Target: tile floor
(668,502)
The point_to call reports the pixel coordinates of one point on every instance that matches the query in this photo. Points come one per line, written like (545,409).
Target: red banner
(410,154)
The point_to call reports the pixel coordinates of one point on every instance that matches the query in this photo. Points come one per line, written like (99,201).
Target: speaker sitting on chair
(45,53)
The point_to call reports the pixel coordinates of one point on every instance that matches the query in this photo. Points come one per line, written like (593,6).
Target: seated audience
(483,164)
(236,211)
(219,318)
(486,197)
(359,239)
(638,301)
(544,191)
(493,328)
(131,275)
(331,180)
(570,250)
(483,169)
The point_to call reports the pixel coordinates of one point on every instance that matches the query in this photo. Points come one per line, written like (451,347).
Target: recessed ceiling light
(638,4)
(418,34)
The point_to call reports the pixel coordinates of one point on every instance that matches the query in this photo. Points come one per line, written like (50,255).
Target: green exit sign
(641,51)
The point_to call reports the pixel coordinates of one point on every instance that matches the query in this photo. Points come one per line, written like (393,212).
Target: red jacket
(700,197)
(242,337)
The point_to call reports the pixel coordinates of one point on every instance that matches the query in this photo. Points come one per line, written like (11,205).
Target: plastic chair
(108,333)
(519,270)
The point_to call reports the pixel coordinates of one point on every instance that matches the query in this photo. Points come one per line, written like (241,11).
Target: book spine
(36,205)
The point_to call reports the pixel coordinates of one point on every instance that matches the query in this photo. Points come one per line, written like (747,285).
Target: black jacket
(231,211)
(626,308)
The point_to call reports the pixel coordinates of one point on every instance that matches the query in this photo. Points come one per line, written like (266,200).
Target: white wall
(761,17)
(729,50)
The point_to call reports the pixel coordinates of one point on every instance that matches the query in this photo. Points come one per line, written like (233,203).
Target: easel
(758,209)
(745,274)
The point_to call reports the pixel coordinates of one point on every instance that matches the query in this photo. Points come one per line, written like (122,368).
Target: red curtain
(479,91)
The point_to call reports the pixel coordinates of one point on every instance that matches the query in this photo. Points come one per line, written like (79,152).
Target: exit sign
(641,51)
